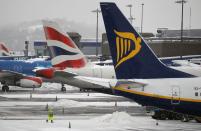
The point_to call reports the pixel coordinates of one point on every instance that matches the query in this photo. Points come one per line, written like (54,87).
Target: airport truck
(161,114)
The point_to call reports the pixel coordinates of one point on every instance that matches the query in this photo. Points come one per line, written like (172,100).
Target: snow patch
(51,86)
(34,60)
(66,103)
(115,118)
(56,86)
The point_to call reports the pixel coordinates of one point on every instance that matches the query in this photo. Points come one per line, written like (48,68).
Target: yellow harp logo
(123,46)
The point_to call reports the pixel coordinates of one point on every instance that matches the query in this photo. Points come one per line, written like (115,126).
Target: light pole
(182,16)
(131,17)
(182,2)
(142,17)
(96,11)
(189,32)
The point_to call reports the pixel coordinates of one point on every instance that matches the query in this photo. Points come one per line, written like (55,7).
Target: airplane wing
(10,77)
(96,81)
(97,84)
(8,74)
(65,74)
(113,83)
(85,83)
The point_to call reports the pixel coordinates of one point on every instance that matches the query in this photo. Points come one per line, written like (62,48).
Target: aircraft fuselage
(181,95)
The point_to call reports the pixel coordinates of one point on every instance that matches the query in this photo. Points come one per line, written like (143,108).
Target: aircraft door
(175,95)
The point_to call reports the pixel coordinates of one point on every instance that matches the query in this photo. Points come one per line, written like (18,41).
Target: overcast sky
(157,13)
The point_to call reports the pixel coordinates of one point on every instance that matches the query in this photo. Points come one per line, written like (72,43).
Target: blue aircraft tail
(132,57)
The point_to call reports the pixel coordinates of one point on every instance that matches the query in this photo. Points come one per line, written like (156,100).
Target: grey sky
(157,13)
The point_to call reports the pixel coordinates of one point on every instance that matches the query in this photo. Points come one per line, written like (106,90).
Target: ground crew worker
(50,115)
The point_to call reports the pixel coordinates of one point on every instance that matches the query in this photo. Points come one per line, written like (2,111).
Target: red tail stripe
(52,34)
(4,48)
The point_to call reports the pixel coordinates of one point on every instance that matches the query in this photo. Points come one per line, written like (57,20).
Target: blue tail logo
(124,41)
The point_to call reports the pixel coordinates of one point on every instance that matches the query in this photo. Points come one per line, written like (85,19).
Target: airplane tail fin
(132,57)
(4,50)
(64,51)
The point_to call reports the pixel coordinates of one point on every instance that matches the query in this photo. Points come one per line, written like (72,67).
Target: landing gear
(198,119)
(63,88)
(185,118)
(164,114)
(5,88)
(160,114)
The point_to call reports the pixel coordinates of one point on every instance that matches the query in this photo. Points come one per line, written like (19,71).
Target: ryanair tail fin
(132,57)
(64,51)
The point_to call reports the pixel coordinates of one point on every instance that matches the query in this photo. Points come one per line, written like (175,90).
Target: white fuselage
(185,87)
(107,71)
(92,70)
(182,95)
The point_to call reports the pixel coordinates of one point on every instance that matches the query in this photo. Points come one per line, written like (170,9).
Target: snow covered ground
(117,121)
(84,112)
(65,103)
(62,95)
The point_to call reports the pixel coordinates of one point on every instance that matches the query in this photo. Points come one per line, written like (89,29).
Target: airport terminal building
(168,43)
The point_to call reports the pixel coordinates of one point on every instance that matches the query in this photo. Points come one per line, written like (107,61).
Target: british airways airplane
(24,73)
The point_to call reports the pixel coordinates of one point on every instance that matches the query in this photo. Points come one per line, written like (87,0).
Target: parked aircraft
(141,76)
(66,55)
(21,73)
(69,56)
(4,50)
(7,54)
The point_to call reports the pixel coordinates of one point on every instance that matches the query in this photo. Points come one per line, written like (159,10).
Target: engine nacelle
(30,82)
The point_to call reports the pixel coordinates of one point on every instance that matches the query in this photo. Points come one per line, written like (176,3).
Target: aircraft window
(196,93)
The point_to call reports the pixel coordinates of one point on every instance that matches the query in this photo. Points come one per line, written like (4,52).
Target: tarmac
(31,105)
